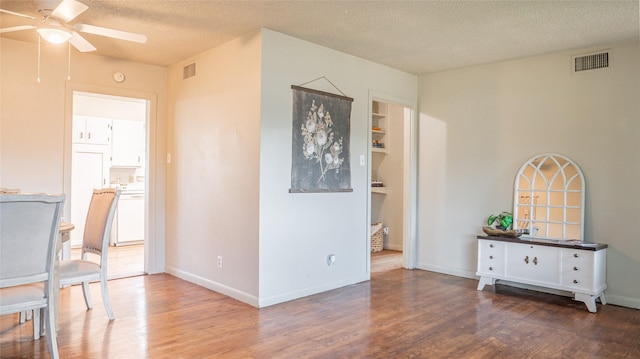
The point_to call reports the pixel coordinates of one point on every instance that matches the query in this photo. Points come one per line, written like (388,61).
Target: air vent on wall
(591,61)
(189,71)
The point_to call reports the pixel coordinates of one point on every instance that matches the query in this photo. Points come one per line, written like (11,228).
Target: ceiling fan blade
(68,10)
(17,28)
(18,14)
(81,43)
(117,34)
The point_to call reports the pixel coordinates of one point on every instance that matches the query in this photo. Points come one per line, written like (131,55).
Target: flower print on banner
(321,130)
(319,140)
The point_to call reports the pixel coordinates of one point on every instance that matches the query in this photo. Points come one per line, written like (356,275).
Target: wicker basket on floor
(376,237)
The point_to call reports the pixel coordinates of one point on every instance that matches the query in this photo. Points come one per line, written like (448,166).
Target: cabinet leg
(602,299)
(486,281)
(588,300)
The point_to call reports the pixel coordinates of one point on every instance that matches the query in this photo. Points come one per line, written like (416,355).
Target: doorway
(109,147)
(391,203)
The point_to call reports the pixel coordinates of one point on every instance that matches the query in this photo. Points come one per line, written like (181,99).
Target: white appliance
(128,224)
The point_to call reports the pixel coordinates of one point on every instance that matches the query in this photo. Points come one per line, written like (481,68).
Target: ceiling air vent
(189,71)
(591,62)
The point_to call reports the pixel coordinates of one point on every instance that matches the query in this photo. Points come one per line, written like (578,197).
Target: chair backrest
(97,228)
(29,225)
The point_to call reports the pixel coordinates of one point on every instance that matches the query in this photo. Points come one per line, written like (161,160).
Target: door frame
(410,176)
(154,233)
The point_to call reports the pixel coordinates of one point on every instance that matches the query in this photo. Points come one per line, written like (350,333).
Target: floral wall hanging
(321,131)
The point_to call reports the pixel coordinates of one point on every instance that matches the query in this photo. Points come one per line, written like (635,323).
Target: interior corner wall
(214,148)
(478,125)
(299,230)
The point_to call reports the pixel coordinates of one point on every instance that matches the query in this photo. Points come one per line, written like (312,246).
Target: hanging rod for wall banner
(326,79)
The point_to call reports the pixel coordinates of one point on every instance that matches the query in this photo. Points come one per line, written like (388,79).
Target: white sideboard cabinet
(575,267)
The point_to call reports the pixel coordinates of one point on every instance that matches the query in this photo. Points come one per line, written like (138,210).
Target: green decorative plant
(502,220)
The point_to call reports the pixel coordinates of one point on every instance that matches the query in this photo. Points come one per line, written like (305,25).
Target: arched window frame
(558,207)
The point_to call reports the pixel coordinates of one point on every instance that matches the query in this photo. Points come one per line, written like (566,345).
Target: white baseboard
(622,301)
(394,247)
(261,302)
(446,270)
(285,297)
(214,286)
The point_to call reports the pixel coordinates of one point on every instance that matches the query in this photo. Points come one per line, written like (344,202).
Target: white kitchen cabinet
(128,226)
(92,171)
(128,143)
(579,267)
(91,130)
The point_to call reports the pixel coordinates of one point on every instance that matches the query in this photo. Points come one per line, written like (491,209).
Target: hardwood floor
(398,314)
(125,261)
(122,261)
(385,260)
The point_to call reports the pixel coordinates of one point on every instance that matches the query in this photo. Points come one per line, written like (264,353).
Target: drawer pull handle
(490,257)
(575,268)
(575,281)
(490,268)
(535,260)
(575,255)
(491,246)
(526,259)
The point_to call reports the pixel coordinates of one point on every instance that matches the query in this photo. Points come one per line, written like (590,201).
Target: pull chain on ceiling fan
(53,26)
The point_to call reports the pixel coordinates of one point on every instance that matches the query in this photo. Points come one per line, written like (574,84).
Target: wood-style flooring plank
(398,314)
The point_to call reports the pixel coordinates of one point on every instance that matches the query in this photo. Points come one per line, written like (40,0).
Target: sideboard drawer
(577,278)
(491,257)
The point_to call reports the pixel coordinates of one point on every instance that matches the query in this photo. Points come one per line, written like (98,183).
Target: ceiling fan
(54,27)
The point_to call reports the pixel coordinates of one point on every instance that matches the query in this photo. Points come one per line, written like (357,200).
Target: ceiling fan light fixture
(54,35)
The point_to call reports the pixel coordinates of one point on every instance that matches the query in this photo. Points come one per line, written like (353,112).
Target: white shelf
(379,127)
(381,190)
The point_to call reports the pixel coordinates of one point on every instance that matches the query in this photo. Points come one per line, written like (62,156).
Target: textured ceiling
(413,36)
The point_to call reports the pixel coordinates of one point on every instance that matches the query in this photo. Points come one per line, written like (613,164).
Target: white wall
(229,180)
(35,119)
(299,230)
(478,125)
(212,185)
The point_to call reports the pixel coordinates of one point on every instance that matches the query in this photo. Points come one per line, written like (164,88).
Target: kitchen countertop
(129,188)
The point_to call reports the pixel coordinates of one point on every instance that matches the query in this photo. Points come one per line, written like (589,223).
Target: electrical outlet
(219,261)
(385,230)
(331,259)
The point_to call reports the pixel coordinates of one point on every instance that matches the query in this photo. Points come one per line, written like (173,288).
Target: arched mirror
(548,199)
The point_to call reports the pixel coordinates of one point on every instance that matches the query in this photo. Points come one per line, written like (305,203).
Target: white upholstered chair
(95,241)
(24,316)
(29,226)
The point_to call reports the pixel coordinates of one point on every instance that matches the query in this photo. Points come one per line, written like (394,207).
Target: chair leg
(24,316)
(105,297)
(51,334)
(36,324)
(87,294)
